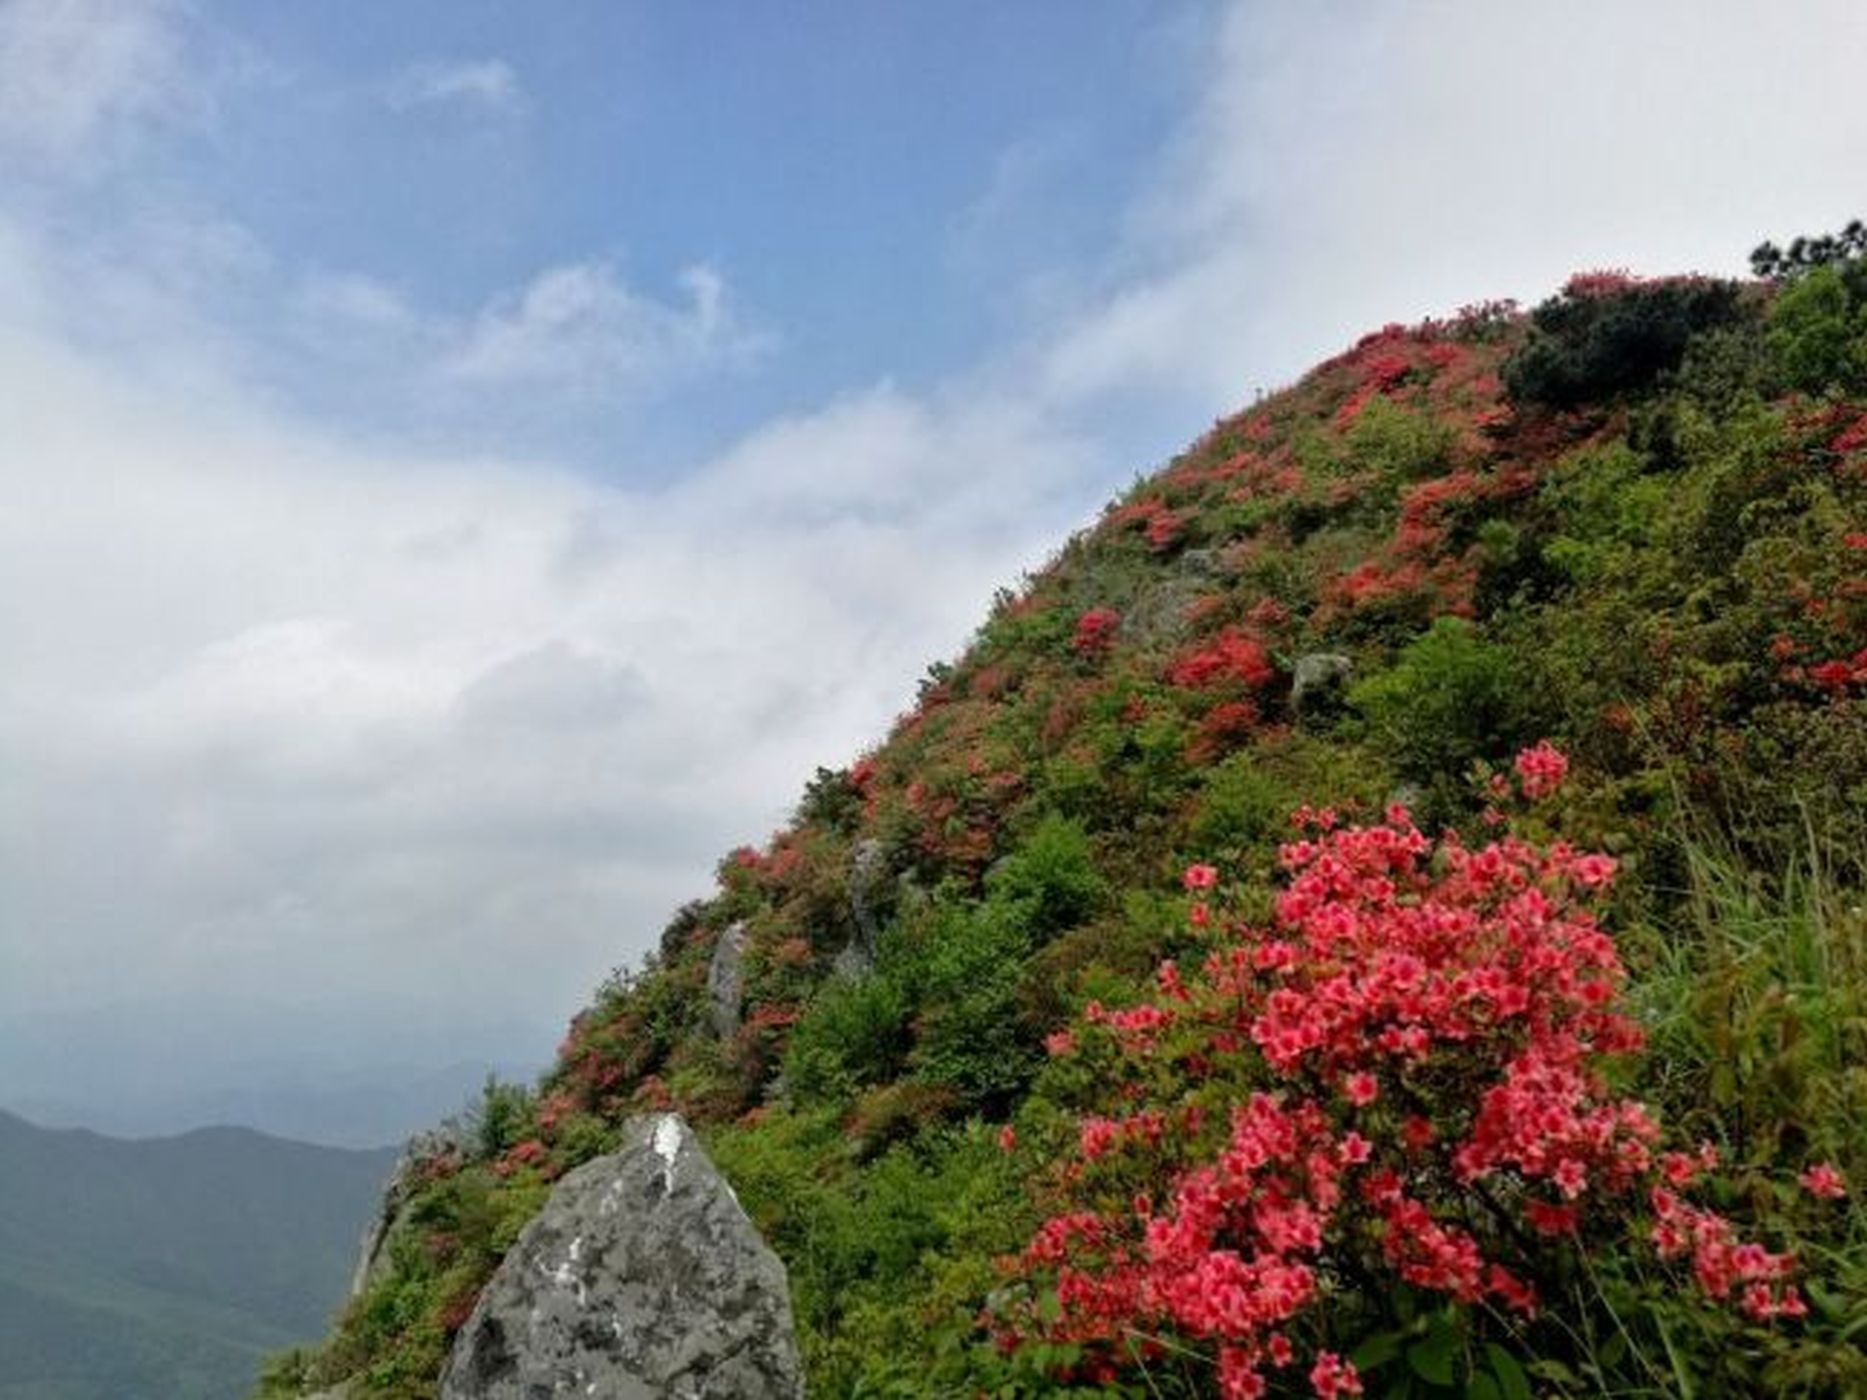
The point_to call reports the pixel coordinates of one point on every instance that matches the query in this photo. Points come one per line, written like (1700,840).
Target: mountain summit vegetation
(1380,912)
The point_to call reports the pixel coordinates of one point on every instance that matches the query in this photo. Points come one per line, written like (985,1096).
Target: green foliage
(1806,253)
(1608,506)
(502,1118)
(1396,445)
(855,1033)
(1818,330)
(1755,995)
(1450,699)
(1242,805)
(830,801)
(1599,342)
(870,1251)
(1758,1009)
(1050,883)
(393,1338)
(970,1038)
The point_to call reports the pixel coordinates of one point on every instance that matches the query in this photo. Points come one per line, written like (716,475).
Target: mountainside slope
(168,1266)
(1630,523)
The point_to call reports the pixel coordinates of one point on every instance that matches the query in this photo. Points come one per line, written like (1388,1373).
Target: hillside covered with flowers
(1380,912)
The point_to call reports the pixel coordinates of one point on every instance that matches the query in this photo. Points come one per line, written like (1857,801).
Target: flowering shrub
(1229,656)
(530,1153)
(1404,1077)
(1160,525)
(1095,632)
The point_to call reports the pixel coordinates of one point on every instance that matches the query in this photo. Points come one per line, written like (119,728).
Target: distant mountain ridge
(363,1109)
(165,1267)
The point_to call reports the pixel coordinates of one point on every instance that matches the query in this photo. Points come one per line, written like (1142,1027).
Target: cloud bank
(407,746)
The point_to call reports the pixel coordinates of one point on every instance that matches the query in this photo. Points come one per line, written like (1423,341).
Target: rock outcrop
(868,869)
(726,981)
(372,1255)
(640,1279)
(1319,683)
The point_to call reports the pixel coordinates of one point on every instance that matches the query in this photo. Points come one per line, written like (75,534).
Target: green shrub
(1397,444)
(831,801)
(1609,335)
(1050,882)
(502,1118)
(1242,804)
(1818,332)
(970,1037)
(1606,507)
(1450,699)
(863,1248)
(855,1033)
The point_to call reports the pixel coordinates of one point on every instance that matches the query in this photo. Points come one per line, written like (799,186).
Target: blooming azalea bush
(1406,1079)
(1095,632)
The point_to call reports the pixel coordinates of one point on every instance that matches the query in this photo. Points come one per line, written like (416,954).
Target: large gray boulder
(640,1279)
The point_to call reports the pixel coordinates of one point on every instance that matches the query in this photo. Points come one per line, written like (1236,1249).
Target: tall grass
(1753,989)
(1754,994)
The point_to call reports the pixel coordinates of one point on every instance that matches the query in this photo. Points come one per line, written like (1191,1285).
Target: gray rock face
(640,1279)
(1318,682)
(854,960)
(1200,563)
(1159,613)
(867,869)
(726,981)
(372,1256)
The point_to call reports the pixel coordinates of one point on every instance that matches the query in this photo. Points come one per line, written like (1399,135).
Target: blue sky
(881,190)
(464,465)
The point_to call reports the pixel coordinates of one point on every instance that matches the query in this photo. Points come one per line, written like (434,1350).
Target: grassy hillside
(1629,523)
(168,1266)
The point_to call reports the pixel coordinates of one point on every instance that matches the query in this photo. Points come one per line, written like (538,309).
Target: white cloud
(443,740)
(354,300)
(1343,169)
(575,335)
(71,70)
(579,327)
(488,83)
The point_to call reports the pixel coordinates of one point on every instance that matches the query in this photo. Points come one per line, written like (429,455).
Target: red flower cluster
(1540,770)
(1824,1181)
(1222,728)
(1095,632)
(1720,1262)
(1431,1023)
(1230,655)
(1157,521)
(529,1153)
(1603,282)
(1852,438)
